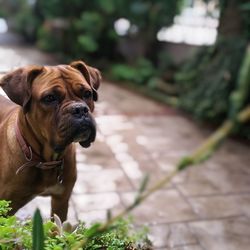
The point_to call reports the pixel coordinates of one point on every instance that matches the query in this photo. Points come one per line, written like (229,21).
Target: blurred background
(188,49)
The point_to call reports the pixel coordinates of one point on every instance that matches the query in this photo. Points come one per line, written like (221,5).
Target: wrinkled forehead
(63,75)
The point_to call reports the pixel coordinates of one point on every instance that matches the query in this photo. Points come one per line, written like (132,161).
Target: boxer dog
(49,108)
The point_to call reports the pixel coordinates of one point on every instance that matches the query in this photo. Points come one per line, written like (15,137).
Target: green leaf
(37,232)
(87,43)
(4,207)
(184,163)
(144,183)
(245,6)
(107,6)
(93,230)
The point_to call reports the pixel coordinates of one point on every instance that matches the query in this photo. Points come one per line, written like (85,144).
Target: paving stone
(159,234)
(112,125)
(134,159)
(167,165)
(233,155)
(91,217)
(228,234)
(133,143)
(120,100)
(11,60)
(102,201)
(221,206)
(15,57)
(161,248)
(146,162)
(94,207)
(98,156)
(170,138)
(171,235)
(43,203)
(218,179)
(98,150)
(137,170)
(104,180)
(161,207)
(189,247)
(9,38)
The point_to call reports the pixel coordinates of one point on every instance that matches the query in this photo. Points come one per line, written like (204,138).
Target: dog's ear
(92,75)
(17,84)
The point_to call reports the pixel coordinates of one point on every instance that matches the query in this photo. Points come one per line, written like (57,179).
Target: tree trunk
(230,23)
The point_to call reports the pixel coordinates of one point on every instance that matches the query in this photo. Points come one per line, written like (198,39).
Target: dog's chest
(47,182)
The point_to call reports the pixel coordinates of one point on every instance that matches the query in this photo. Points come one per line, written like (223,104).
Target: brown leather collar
(34,160)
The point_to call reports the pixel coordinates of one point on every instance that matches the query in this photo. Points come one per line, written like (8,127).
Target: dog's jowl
(50,108)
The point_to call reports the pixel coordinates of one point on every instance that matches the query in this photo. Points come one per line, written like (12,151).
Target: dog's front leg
(59,206)
(60,202)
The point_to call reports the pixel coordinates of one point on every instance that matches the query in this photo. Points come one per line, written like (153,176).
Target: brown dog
(54,109)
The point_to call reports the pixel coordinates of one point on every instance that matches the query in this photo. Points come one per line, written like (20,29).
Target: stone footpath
(205,208)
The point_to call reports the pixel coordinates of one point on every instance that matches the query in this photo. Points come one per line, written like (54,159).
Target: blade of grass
(37,232)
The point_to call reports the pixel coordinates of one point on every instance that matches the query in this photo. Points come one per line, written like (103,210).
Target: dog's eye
(49,99)
(87,94)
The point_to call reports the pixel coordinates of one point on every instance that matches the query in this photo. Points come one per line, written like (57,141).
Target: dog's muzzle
(86,133)
(84,126)
(78,125)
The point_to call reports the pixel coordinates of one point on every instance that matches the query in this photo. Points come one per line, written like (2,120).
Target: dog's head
(57,101)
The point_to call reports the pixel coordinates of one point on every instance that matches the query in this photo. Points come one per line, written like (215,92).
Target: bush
(141,72)
(17,234)
(207,80)
(26,22)
(90,30)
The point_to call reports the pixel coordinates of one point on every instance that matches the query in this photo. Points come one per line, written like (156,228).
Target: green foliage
(87,43)
(90,32)
(184,163)
(89,22)
(245,9)
(124,72)
(4,207)
(16,234)
(207,80)
(107,6)
(118,238)
(13,233)
(26,21)
(239,96)
(140,73)
(214,84)
(151,15)
(47,41)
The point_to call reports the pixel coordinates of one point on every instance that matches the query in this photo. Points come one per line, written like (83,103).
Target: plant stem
(209,144)
(198,155)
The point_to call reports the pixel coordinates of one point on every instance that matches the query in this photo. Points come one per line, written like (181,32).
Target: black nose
(80,110)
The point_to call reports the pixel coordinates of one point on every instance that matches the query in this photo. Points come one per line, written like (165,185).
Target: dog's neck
(35,140)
